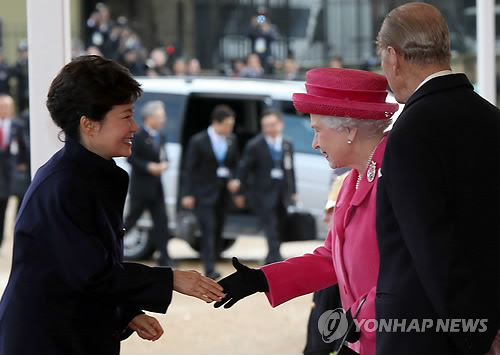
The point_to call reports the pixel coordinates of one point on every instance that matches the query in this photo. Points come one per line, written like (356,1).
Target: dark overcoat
(199,178)
(15,152)
(438,225)
(69,291)
(254,172)
(143,184)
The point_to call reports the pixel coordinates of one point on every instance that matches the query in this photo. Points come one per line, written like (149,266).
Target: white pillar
(486,49)
(49,50)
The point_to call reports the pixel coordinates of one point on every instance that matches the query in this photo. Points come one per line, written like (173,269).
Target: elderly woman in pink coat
(349,115)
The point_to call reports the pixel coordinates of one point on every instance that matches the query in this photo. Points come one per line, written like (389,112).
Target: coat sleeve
(293,187)
(246,165)
(81,254)
(301,275)
(416,187)
(189,166)
(236,156)
(136,159)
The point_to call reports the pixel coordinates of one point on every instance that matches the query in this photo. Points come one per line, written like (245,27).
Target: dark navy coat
(200,168)
(256,164)
(69,292)
(438,225)
(143,184)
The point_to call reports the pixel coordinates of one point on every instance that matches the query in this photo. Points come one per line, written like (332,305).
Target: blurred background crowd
(278,39)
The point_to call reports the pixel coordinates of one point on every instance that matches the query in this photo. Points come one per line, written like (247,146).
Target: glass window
(298,128)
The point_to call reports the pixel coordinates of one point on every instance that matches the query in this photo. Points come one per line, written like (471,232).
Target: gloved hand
(354,332)
(244,282)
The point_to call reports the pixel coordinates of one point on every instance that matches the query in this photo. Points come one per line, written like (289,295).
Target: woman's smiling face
(113,135)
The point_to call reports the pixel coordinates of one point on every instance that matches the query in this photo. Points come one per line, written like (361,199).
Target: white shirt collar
(435,75)
(276,142)
(152,132)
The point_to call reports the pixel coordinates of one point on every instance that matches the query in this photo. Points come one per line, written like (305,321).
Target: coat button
(122,232)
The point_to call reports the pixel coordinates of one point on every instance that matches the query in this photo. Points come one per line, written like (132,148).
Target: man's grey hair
(368,128)
(151,106)
(418,32)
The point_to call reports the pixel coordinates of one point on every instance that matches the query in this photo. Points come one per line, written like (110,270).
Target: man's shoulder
(256,141)
(200,136)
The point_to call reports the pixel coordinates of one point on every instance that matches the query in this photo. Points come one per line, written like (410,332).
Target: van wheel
(195,243)
(138,244)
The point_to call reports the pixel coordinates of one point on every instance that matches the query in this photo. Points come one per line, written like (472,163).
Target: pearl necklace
(371,167)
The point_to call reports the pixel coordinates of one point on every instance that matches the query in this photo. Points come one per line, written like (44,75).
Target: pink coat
(349,257)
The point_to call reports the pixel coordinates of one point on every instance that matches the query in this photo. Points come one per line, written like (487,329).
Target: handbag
(300,225)
(345,350)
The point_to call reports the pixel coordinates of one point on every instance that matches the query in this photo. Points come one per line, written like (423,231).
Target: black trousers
(3,208)
(158,211)
(211,219)
(273,222)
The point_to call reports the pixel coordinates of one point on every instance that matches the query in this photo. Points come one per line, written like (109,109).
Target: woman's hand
(146,327)
(192,283)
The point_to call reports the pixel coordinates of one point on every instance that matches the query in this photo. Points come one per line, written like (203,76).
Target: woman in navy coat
(69,291)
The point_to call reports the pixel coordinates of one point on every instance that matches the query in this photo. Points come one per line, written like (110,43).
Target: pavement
(251,327)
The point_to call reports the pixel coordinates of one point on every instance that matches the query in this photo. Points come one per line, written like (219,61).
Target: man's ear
(393,59)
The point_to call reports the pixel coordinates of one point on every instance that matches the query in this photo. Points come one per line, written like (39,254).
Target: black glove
(354,332)
(242,283)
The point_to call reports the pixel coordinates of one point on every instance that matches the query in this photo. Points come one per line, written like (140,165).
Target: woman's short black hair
(89,86)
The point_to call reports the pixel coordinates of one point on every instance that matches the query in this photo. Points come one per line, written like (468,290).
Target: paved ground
(193,327)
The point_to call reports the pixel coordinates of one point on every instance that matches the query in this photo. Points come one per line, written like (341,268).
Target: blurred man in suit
(267,161)
(211,159)
(13,153)
(149,161)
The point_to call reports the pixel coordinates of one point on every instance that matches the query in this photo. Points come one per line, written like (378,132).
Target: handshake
(240,284)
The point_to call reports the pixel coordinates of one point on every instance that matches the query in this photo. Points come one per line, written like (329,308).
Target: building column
(49,50)
(486,49)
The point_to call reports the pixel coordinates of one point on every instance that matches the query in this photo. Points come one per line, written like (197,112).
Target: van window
(200,107)
(174,105)
(298,128)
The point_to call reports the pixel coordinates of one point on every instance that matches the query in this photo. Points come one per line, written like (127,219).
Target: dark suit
(68,291)
(14,153)
(146,190)
(438,225)
(210,192)
(268,197)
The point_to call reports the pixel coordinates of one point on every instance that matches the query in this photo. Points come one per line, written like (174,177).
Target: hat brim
(306,103)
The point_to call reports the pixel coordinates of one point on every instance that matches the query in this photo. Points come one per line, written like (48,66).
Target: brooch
(371,171)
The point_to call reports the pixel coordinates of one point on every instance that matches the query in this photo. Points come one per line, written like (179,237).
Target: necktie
(275,153)
(157,139)
(220,150)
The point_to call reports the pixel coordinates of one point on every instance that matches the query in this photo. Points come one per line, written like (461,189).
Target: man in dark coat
(211,159)
(438,226)
(13,154)
(149,161)
(267,162)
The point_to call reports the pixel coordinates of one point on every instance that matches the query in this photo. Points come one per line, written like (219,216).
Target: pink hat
(345,93)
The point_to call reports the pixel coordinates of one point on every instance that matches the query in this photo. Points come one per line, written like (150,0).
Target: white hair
(368,128)
(150,107)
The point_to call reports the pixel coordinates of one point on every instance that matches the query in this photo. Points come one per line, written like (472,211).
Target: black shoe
(214,275)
